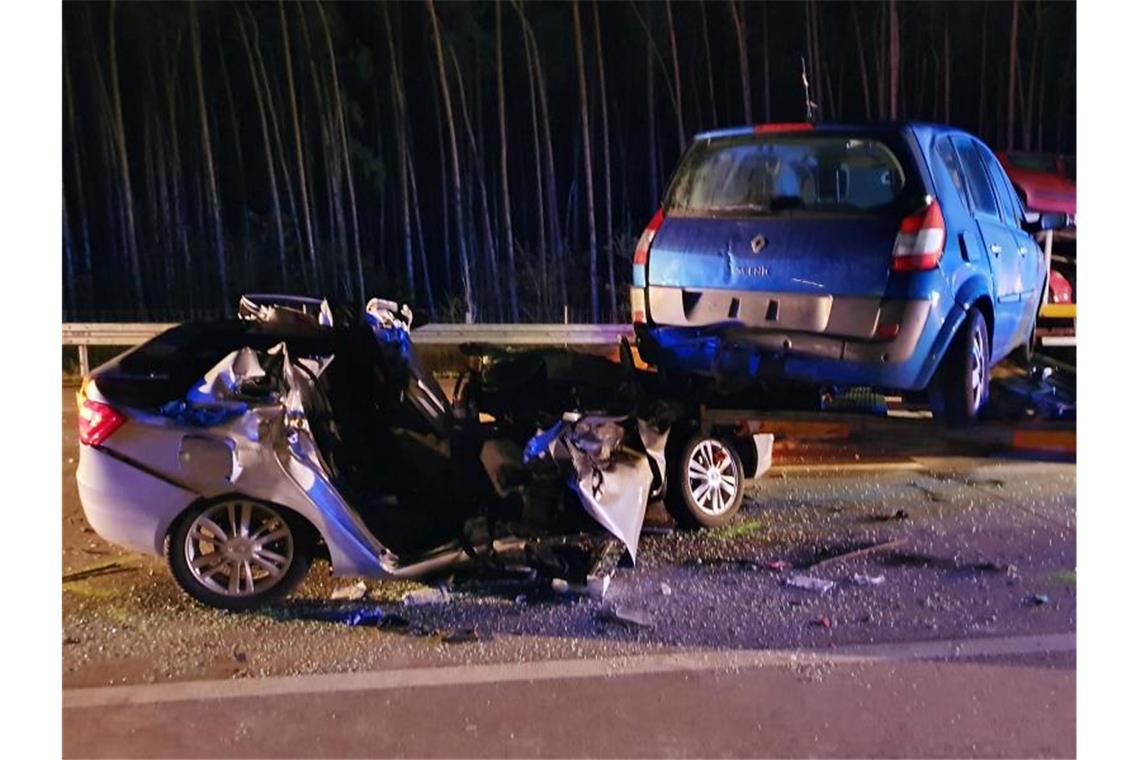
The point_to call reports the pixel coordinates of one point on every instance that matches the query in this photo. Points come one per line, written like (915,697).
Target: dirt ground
(965,547)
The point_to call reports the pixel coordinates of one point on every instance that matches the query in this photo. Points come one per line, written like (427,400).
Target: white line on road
(700,660)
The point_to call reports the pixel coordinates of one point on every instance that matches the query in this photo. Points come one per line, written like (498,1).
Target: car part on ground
(240,447)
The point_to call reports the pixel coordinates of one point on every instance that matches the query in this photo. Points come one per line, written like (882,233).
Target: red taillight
(921,239)
(97,421)
(641,253)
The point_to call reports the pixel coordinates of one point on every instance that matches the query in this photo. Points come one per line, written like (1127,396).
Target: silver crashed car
(243,449)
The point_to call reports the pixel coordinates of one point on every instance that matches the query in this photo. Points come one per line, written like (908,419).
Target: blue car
(893,256)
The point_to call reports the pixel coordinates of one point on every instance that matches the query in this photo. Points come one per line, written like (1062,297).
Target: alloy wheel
(239,548)
(712,477)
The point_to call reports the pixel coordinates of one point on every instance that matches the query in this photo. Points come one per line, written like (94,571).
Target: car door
(999,243)
(1029,259)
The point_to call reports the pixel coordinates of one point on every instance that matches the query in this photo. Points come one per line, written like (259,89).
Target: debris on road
(778,565)
(351,593)
(864,579)
(859,552)
(460,636)
(823,622)
(626,616)
(595,587)
(421,596)
(1041,600)
(808,583)
(666,590)
(107,568)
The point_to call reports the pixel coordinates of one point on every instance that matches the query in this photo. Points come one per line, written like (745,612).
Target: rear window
(753,175)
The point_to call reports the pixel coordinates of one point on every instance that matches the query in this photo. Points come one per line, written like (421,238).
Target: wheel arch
(304,524)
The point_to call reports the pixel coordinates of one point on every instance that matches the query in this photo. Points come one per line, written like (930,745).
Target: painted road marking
(545,670)
(848,467)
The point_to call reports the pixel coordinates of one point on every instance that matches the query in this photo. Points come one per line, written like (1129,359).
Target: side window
(985,204)
(946,156)
(1010,206)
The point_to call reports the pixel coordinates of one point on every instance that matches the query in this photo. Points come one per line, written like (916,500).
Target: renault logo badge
(758,243)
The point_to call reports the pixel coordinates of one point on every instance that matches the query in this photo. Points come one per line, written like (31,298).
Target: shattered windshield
(766,175)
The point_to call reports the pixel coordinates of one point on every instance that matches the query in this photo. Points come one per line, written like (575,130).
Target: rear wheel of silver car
(706,483)
(239,553)
(965,381)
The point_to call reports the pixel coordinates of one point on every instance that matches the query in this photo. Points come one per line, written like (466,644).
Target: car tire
(267,547)
(694,501)
(963,387)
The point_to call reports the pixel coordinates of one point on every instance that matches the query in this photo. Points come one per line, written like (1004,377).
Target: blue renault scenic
(894,256)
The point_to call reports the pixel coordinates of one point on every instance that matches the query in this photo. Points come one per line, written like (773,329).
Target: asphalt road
(969,549)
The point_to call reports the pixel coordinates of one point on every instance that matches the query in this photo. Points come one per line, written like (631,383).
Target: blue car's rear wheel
(239,553)
(962,387)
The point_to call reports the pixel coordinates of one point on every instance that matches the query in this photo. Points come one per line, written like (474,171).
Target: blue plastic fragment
(200,416)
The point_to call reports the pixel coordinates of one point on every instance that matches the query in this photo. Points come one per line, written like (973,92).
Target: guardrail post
(84,365)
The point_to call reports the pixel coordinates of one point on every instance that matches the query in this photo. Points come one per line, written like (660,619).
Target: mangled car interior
(244,448)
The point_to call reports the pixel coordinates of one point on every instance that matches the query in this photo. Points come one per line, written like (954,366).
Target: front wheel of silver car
(706,483)
(239,553)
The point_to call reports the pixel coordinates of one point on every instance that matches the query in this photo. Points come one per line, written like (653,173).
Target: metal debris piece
(808,583)
(460,636)
(1041,599)
(626,616)
(865,579)
(422,596)
(351,593)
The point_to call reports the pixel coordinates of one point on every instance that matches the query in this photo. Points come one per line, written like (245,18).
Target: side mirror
(1039,222)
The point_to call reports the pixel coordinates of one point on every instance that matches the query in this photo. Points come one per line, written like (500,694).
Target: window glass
(1010,210)
(945,152)
(766,175)
(980,191)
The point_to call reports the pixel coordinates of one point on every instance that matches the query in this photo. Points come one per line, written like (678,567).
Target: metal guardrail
(84,334)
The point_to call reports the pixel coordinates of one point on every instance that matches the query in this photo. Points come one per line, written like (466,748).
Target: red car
(1047,181)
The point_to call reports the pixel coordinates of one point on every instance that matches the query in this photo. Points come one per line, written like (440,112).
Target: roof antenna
(809,105)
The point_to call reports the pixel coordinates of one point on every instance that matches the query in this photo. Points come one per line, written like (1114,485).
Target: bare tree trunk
(682,135)
(1012,77)
(895,54)
(742,51)
(584,110)
(606,163)
(708,64)
(1028,93)
(77,172)
(556,237)
(946,69)
(339,109)
(456,191)
(512,274)
(651,116)
(310,249)
(767,74)
(419,229)
(862,63)
(542,293)
(488,237)
(125,171)
(401,148)
(278,225)
(443,193)
(235,128)
(208,155)
(982,99)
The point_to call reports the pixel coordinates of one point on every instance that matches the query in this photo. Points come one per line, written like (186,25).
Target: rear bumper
(735,352)
(124,504)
